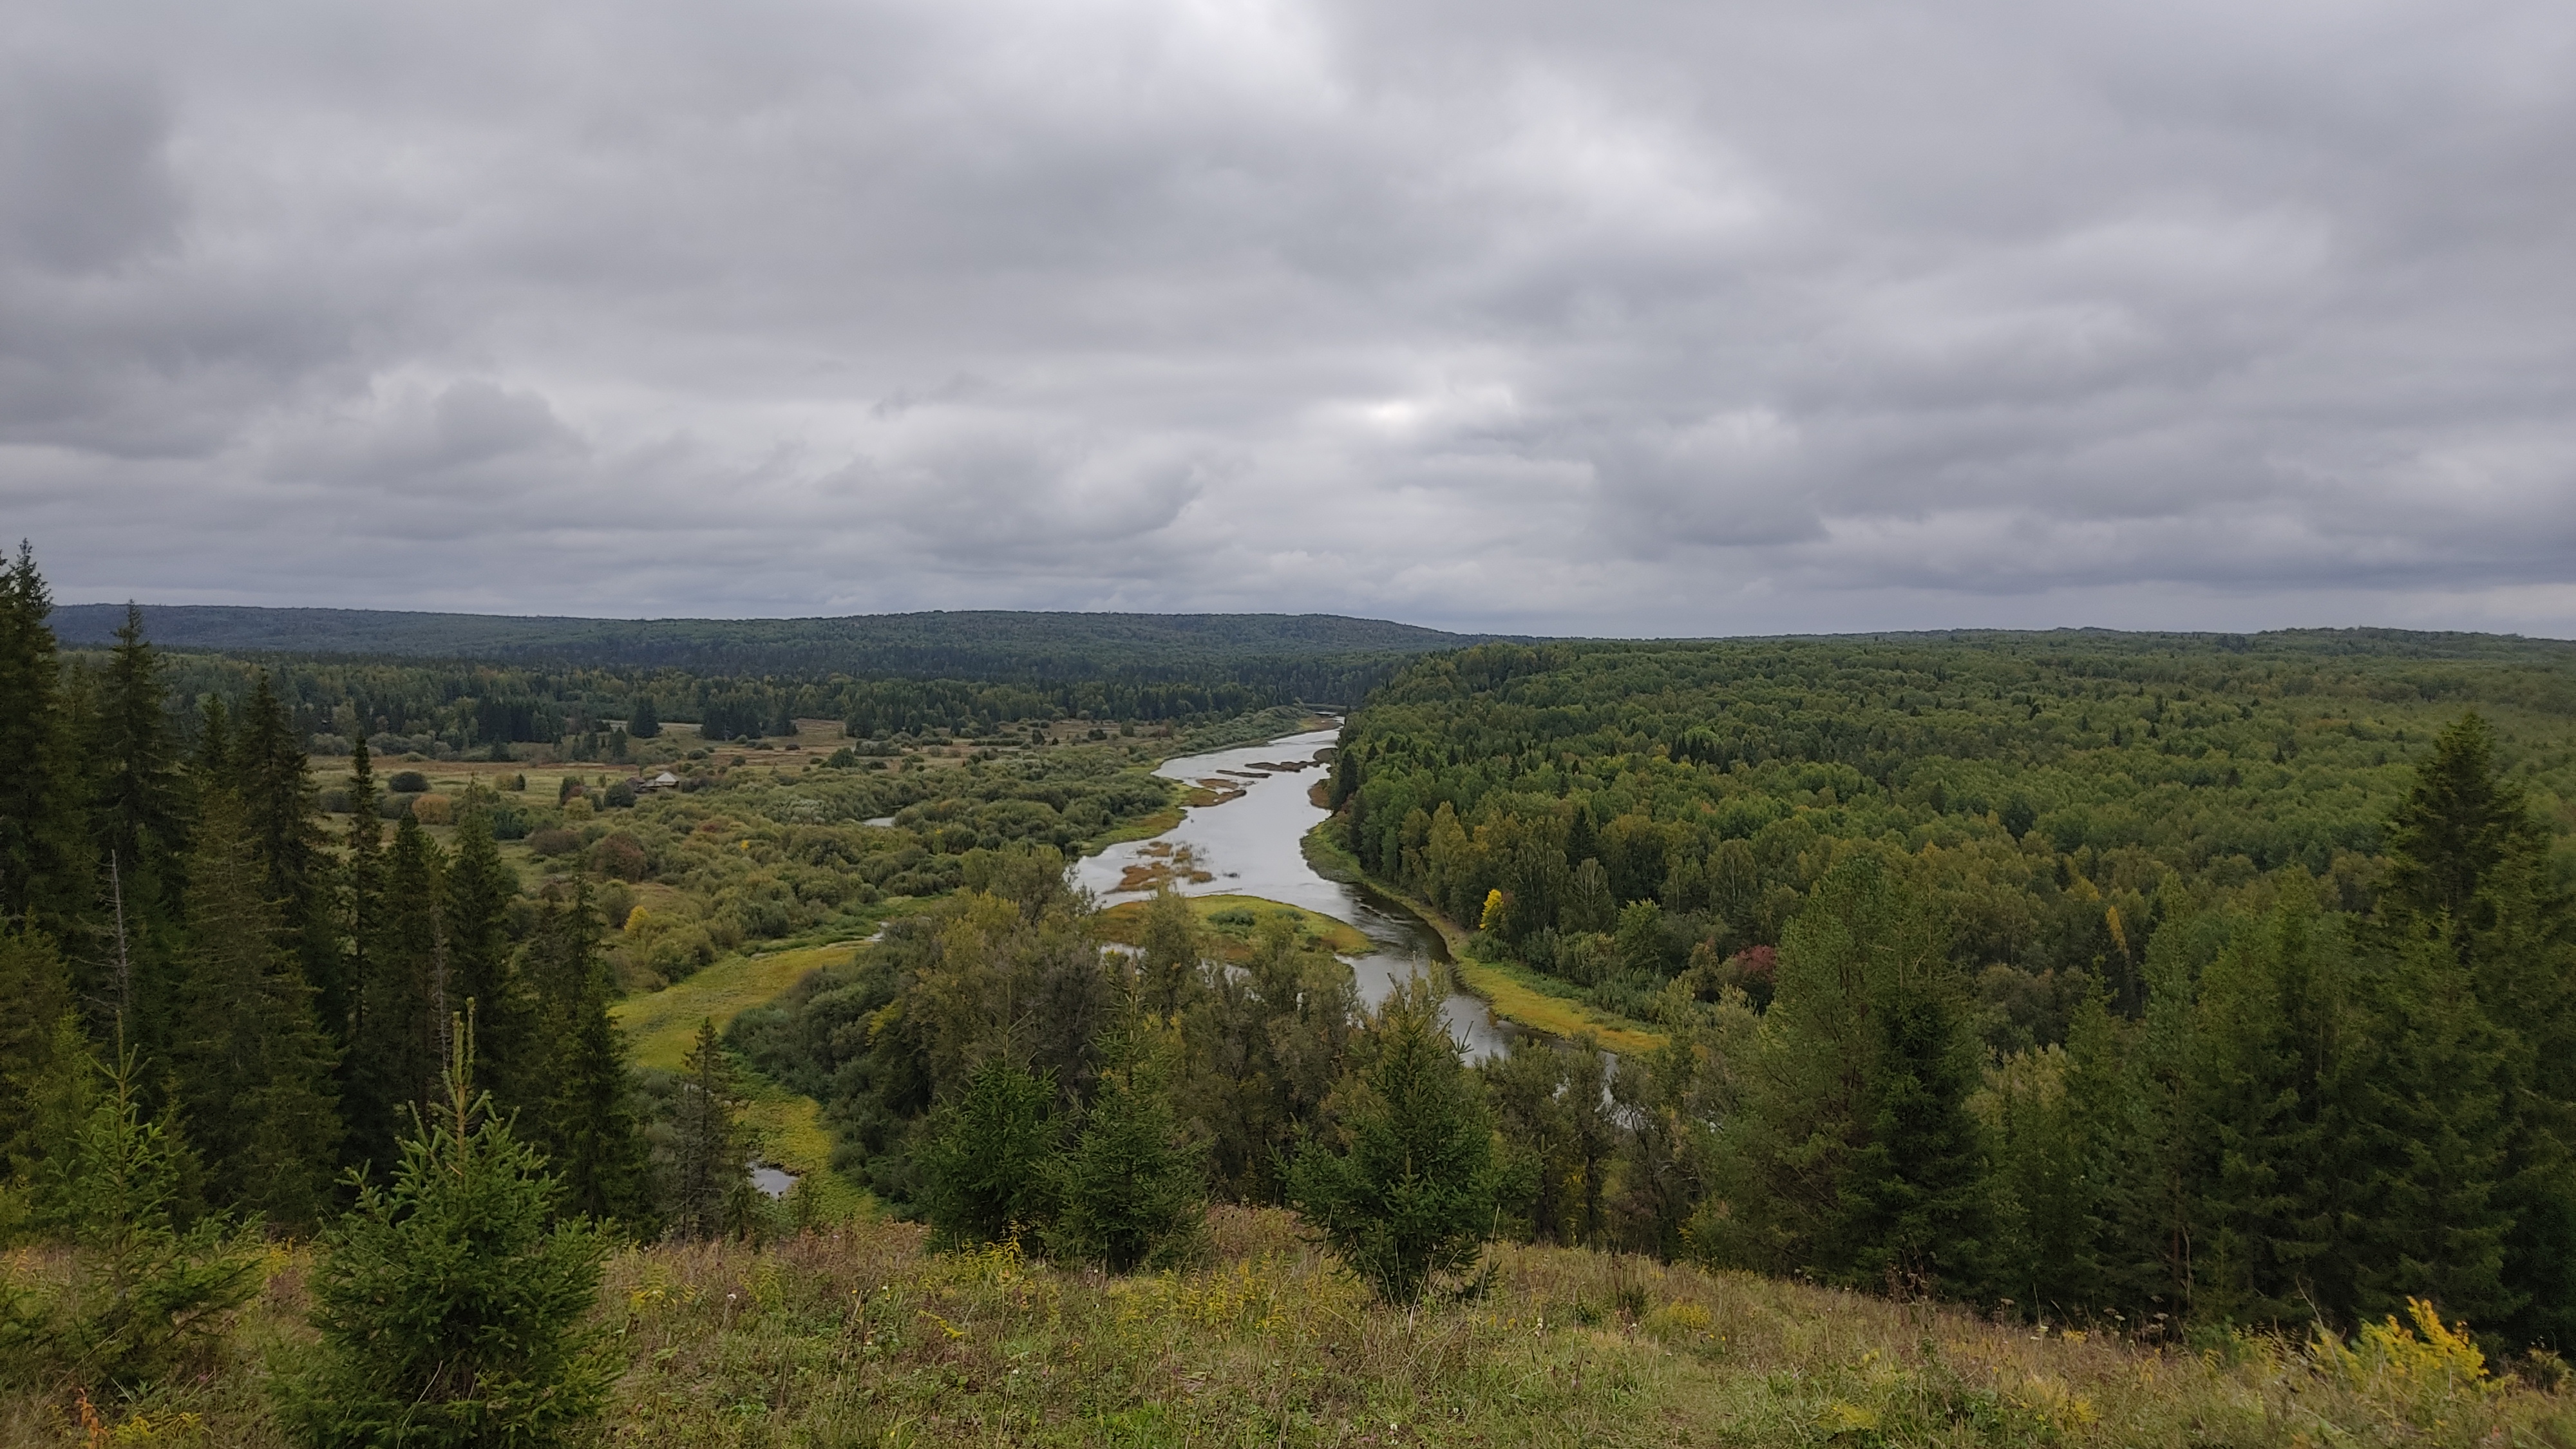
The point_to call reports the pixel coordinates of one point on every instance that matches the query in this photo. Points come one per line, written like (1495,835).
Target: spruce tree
(55,1096)
(2458,826)
(146,1294)
(1855,1154)
(362,925)
(2432,1148)
(252,1065)
(2157,1167)
(2058,1122)
(366,844)
(707,1173)
(1130,1189)
(44,850)
(1403,1192)
(580,1110)
(270,773)
(983,1156)
(400,1009)
(139,805)
(2100,1110)
(2280,1051)
(451,1301)
(2469,868)
(35,997)
(210,755)
(1914,1205)
(479,890)
(2038,1214)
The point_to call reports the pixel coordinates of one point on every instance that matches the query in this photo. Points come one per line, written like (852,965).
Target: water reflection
(1251,846)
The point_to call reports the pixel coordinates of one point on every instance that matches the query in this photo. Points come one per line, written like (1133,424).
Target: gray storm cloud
(1672,318)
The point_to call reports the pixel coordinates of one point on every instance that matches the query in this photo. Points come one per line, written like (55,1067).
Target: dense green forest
(2064,795)
(2111,975)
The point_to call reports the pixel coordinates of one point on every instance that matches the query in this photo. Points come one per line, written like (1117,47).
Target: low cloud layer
(1665,318)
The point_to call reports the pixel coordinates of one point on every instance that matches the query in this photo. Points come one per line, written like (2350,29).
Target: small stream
(1252,846)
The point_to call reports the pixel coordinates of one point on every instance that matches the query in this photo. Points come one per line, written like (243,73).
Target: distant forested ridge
(472,681)
(991,645)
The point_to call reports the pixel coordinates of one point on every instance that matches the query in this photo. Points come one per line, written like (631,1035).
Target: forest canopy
(2063,794)
(2124,979)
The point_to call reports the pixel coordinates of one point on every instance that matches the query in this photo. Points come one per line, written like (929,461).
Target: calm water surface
(1252,846)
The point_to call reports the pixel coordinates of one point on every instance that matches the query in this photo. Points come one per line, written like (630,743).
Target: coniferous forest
(2047,1039)
(2108,978)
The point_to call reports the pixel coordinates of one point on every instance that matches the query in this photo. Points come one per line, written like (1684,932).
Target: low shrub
(619,857)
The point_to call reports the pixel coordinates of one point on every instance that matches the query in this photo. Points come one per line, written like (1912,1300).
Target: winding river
(1252,845)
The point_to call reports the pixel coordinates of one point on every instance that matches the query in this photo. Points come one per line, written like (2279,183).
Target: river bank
(1245,838)
(1516,994)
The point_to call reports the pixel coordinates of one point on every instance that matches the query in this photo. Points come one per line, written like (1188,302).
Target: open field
(857,1337)
(660,1026)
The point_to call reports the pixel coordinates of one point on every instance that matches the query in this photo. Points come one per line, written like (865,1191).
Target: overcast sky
(1614,317)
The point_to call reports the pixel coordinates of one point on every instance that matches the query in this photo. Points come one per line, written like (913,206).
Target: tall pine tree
(398,1026)
(581,1113)
(138,817)
(983,1155)
(362,908)
(1131,1188)
(2282,1047)
(1914,1205)
(707,1174)
(270,772)
(2469,868)
(44,852)
(253,1066)
(2432,1224)
(1856,1154)
(480,888)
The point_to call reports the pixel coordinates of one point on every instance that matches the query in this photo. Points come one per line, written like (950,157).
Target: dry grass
(856,1337)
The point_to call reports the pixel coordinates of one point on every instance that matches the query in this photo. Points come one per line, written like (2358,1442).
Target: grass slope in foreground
(856,1337)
